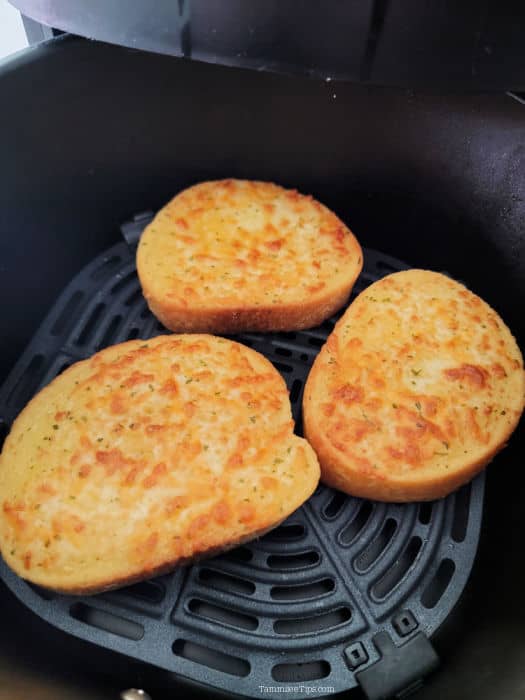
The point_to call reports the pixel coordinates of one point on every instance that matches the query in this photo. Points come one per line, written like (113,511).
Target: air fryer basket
(94,134)
(346,592)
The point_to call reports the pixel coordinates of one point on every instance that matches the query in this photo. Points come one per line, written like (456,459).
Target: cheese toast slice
(237,255)
(148,455)
(418,387)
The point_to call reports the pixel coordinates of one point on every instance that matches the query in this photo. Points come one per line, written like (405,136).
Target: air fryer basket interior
(93,134)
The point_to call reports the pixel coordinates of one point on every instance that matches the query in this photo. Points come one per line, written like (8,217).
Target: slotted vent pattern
(281,609)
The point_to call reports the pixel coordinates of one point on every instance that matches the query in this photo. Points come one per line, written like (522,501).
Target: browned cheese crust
(148,455)
(237,255)
(418,387)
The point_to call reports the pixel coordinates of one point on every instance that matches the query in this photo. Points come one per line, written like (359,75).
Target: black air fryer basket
(347,595)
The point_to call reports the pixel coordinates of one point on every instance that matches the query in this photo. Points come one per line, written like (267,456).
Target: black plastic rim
(299,607)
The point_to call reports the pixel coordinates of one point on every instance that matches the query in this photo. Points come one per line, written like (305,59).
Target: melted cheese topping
(236,243)
(419,377)
(147,453)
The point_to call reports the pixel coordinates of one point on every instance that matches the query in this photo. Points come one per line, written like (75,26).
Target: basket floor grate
(304,604)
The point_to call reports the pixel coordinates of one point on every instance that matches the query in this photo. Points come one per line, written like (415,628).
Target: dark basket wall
(92,134)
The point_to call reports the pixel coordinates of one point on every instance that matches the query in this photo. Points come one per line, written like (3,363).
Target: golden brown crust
(105,587)
(311,313)
(419,386)
(149,455)
(236,255)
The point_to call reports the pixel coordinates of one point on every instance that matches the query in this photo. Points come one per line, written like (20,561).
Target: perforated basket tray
(343,591)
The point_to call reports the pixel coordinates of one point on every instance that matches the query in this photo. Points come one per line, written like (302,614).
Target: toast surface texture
(238,255)
(148,455)
(418,387)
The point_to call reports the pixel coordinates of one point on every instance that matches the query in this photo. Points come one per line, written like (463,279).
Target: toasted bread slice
(235,255)
(148,455)
(418,387)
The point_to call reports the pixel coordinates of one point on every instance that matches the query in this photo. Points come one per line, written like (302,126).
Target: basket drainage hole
(134,297)
(352,530)
(286,533)
(68,314)
(438,585)
(211,658)
(145,590)
(335,505)
(302,592)
(216,613)
(316,623)
(293,561)
(285,352)
(91,324)
(425,512)
(328,325)
(241,554)
(378,545)
(294,673)
(106,621)
(282,367)
(295,390)
(225,582)
(316,342)
(461,513)
(398,570)
(110,332)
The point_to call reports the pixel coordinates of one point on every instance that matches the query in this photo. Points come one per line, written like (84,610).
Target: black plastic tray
(345,592)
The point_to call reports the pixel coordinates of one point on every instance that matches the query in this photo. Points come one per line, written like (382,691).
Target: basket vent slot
(226,582)
(284,352)
(107,621)
(286,533)
(295,391)
(398,571)
(211,658)
(202,608)
(282,367)
(240,554)
(286,562)
(68,314)
(424,512)
(91,325)
(150,591)
(438,585)
(303,592)
(295,673)
(335,505)
(315,623)
(352,530)
(134,297)
(373,551)
(461,513)
(111,331)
